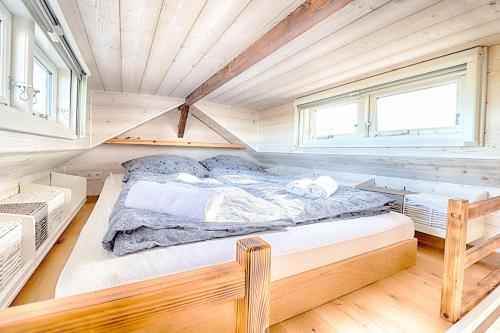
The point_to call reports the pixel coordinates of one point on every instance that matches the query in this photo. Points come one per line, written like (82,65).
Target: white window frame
(467,68)
(19,117)
(459,80)
(45,61)
(5,41)
(361,116)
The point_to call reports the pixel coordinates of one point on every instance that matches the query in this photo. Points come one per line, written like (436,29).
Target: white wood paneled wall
(467,165)
(30,166)
(241,122)
(164,128)
(116,113)
(108,158)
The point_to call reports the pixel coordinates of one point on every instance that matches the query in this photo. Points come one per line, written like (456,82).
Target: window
(5,28)
(430,104)
(430,108)
(43,85)
(42,81)
(335,119)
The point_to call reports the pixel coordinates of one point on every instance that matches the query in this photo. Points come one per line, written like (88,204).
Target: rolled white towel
(176,199)
(299,186)
(322,187)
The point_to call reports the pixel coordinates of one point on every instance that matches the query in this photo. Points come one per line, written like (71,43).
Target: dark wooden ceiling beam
(184,108)
(306,16)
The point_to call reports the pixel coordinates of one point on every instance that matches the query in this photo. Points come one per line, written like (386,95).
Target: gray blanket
(253,202)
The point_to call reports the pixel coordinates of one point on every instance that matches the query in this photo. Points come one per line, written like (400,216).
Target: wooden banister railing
(152,305)
(457,258)
(481,250)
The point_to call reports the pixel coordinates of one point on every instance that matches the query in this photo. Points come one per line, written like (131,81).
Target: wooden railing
(454,302)
(154,305)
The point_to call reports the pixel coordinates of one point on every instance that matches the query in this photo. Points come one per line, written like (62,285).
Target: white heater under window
(429,212)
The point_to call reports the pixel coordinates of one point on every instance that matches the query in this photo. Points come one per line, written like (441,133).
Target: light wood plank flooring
(405,302)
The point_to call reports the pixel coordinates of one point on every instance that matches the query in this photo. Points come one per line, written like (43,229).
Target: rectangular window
(435,103)
(335,119)
(429,108)
(5,40)
(43,80)
(39,72)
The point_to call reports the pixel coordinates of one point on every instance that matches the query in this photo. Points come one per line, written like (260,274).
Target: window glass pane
(42,81)
(428,108)
(64,82)
(336,119)
(3,76)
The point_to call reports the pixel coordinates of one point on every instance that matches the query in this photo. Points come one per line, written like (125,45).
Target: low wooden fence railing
(454,301)
(154,305)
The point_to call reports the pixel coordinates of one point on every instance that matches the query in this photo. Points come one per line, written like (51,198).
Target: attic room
(250,166)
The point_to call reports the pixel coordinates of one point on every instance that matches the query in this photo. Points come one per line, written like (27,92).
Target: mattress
(294,250)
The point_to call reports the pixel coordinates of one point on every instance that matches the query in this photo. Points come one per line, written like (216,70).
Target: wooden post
(182,120)
(454,259)
(252,311)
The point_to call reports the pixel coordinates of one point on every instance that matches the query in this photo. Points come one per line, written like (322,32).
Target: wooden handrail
(154,304)
(481,250)
(457,258)
(484,207)
(481,290)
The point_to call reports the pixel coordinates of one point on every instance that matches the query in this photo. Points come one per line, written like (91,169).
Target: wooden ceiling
(171,47)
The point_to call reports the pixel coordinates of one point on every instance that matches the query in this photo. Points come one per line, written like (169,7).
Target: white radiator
(429,212)
(427,209)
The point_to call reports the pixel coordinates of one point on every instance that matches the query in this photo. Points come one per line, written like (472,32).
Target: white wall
(116,113)
(27,155)
(468,165)
(107,158)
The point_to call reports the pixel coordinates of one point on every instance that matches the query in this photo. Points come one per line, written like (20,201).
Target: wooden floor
(405,302)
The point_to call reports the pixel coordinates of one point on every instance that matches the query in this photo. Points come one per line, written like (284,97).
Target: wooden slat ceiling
(171,47)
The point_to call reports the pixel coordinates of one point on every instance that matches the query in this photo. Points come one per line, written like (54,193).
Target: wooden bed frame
(457,258)
(235,296)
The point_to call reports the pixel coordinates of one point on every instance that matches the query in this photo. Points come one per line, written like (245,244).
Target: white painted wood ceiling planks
(169,48)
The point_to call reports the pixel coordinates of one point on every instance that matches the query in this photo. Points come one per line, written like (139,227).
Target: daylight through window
(42,83)
(430,104)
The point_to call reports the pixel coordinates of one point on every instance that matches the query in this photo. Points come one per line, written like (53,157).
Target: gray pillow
(165,164)
(229,162)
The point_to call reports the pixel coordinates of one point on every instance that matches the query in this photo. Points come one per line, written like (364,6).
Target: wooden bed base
(236,296)
(457,258)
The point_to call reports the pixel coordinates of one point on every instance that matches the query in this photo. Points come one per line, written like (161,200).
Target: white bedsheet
(294,250)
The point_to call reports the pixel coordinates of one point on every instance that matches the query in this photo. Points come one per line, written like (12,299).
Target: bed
(295,250)
(242,283)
